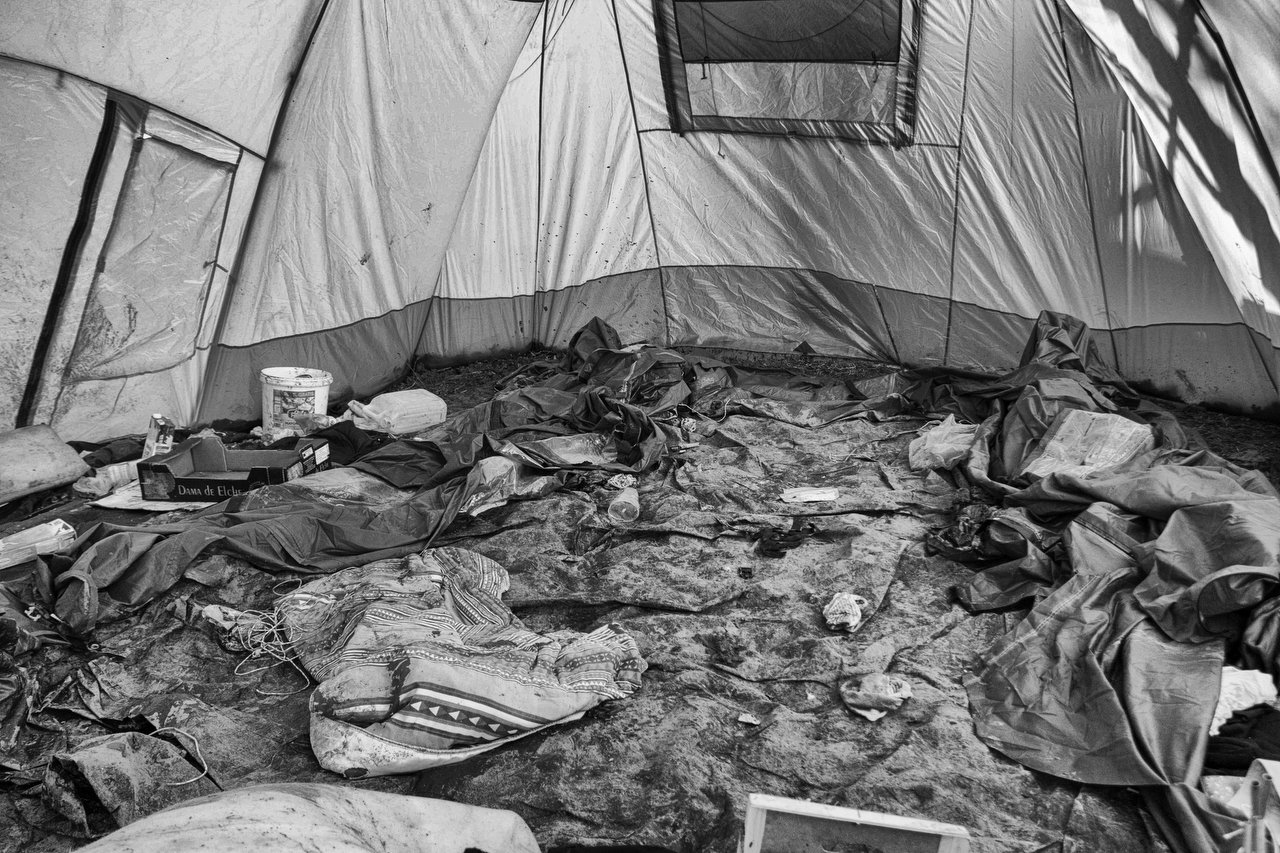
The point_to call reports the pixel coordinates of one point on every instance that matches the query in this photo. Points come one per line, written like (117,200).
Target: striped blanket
(422,664)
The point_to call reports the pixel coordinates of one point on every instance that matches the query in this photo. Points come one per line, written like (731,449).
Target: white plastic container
(625,508)
(400,412)
(289,391)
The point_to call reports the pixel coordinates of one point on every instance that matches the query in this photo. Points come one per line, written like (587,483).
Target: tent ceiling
(224,65)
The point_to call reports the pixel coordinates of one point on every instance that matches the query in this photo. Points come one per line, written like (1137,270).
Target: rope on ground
(261,635)
(199,756)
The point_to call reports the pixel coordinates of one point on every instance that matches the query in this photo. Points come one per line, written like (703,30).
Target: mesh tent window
(827,68)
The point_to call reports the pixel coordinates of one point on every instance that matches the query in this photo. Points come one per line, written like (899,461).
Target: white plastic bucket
(290,391)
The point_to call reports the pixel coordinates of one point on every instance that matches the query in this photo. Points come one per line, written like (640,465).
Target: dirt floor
(746,688)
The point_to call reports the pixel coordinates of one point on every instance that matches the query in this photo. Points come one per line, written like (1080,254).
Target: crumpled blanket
(421,664)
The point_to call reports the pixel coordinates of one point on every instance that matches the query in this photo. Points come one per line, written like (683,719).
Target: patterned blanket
(422,664)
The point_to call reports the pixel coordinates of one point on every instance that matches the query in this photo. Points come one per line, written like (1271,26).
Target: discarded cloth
(1250,734)
(1241,688)
(1260,645)
(421,664)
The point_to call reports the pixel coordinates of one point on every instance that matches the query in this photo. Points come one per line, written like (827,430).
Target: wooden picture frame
(782,825)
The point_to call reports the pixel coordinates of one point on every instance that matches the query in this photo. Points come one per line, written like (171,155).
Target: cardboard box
(201,468)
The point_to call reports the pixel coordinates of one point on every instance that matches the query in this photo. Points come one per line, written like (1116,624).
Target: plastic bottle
(625,507)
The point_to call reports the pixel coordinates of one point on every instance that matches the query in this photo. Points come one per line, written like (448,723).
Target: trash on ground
(160,436)
(1246,736)
(749,719)
(107,479)
(110,781)
(47,538)
(202,468)
(776,541)
(810,494)
(33,459)
(1258,788)
(399,412)
(873,696)
(885,385)
(625,506)
(1241,689)
(129,497)
(1140,584)
(943,446)
(621,481)
(496,479)
(309,424)
(288,392)
(844,612)
(779,823)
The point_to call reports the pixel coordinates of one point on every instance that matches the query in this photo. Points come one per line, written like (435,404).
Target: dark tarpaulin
(1141,578)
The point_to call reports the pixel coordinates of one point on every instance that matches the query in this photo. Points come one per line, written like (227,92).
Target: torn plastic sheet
(943,446)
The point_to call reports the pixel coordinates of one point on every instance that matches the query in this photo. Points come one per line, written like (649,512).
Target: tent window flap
(827,68)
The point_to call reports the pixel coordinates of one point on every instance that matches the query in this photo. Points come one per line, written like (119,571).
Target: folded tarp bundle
(1143,575)
(421,664)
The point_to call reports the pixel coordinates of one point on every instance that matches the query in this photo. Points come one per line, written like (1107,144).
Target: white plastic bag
(944,446)
(400,412)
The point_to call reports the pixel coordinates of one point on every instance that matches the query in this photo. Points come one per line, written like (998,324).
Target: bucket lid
(297,377)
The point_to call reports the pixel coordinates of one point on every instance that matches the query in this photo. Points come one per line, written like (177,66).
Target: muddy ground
(744,688)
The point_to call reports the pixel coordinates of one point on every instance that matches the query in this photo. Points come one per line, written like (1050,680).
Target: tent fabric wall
(1250,33)
(1024,238)
(1158,269)
(376,151)
(473,176)
(46,141)
(1021,191)
(50,388)
(134,331)
(1172,72)
(222,65)
(484,295)
(563,153)
(594,219)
